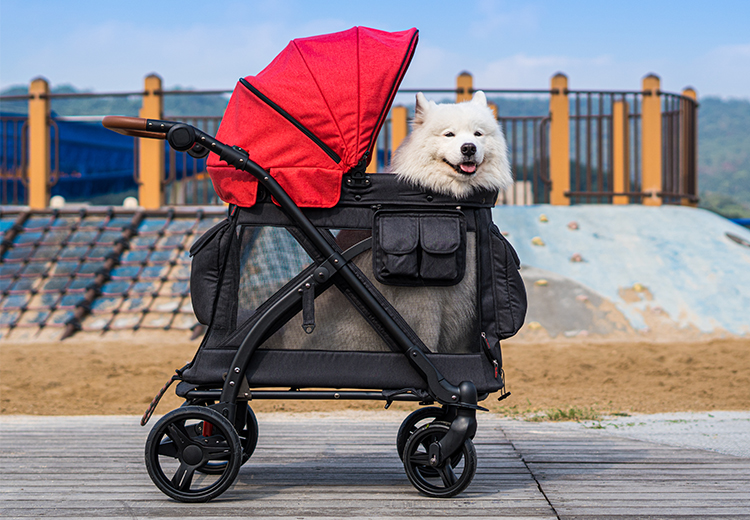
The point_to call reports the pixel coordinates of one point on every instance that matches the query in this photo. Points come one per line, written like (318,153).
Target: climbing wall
(98,270)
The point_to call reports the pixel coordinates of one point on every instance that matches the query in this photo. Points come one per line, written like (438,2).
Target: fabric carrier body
(419,241)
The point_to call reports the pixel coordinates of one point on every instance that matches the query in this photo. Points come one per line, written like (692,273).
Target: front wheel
(446,480)
(177,448)
(412,423)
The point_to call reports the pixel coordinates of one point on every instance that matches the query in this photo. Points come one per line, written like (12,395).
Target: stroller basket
(339,238)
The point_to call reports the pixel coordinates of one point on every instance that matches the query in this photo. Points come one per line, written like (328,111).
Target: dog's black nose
(468,149)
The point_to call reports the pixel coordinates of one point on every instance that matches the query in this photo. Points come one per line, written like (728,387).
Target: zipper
(286,115)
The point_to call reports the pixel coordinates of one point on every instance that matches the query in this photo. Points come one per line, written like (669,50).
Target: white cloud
(501,17)
(534,72)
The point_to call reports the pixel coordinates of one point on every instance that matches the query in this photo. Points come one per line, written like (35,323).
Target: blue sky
(111,45)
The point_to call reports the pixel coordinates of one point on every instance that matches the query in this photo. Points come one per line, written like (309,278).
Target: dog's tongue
(468,167)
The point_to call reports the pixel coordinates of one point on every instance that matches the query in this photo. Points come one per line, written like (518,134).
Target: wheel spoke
(447,475)
(216,452)
(179,436)
(183,477)
(167,448)
(420,459)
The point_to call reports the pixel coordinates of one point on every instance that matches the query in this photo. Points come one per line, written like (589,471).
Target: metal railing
(604,137)
(13,180)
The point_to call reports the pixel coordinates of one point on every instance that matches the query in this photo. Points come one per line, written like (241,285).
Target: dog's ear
(479,98)
(421,109)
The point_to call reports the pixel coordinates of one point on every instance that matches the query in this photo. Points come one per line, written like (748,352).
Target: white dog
(454,148)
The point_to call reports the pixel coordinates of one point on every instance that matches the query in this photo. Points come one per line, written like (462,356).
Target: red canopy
(313,114)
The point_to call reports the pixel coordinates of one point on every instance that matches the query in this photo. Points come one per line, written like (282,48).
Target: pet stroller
(299,137)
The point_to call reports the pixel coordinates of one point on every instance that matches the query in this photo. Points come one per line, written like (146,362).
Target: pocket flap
(440,234)
(399,234)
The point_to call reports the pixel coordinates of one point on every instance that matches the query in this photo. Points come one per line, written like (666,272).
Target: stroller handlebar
(138,126)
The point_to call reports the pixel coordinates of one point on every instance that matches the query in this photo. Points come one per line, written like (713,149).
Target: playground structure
(614,147)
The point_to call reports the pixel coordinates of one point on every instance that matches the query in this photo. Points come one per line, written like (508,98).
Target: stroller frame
(428,455)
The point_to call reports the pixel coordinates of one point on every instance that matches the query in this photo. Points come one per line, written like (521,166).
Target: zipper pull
(490,356)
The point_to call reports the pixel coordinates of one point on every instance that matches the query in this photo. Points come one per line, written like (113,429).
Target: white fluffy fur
(438,132)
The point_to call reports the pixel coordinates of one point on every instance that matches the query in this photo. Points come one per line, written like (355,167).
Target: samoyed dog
(453,149)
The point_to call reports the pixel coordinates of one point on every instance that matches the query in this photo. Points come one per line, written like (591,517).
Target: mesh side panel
(269,258)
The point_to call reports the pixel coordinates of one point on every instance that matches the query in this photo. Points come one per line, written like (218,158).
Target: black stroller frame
(215,432)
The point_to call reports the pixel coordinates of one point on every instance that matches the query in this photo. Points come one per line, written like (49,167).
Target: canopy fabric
(313,114)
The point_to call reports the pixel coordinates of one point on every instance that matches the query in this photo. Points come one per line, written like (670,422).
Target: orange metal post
(151,151)
(399,126)
(621,151)
(464,87)
(39,144)
(651,138)
(493,107)
(559,136)
(689,146)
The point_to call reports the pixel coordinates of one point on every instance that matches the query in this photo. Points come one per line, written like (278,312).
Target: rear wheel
(248,440)
(177,448)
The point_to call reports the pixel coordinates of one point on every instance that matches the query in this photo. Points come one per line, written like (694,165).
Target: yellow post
(39,144)
(399,126)
(651,141)
(559,136)
(464,87)
(373,166)
(151,151)
(493,107)
(689,147)
(621,151)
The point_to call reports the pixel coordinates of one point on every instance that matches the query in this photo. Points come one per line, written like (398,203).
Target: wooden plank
(344,465)
(304,466)
(590,474)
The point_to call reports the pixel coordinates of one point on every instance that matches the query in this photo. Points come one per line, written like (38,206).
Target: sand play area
(88,375)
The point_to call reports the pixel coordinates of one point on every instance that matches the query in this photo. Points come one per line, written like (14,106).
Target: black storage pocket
(419,248)
(209,255)
(398,237)
(440,238)
(509,292)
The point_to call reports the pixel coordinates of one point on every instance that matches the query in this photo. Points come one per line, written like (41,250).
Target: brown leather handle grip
(133,126)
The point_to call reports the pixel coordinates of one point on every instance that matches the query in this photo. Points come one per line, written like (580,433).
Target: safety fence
(565,146)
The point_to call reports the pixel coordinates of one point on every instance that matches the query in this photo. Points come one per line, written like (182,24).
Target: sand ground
(90,375)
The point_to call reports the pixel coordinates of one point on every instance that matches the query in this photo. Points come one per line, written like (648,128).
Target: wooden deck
(92,467)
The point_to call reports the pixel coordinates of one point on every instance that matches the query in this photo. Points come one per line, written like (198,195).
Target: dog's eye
(478,133)
(449,134)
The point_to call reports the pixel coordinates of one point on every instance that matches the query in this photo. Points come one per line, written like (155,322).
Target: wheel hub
(192,455)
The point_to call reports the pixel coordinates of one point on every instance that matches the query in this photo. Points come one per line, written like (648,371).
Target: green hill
(724,156)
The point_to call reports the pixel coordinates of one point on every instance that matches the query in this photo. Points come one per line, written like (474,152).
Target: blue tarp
(94,161)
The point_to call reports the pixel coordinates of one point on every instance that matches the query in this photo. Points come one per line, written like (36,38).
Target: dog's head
(454,148)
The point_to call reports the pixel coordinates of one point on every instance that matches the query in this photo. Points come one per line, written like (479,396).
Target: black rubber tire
(443,481)
(174,441)
(411,424)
